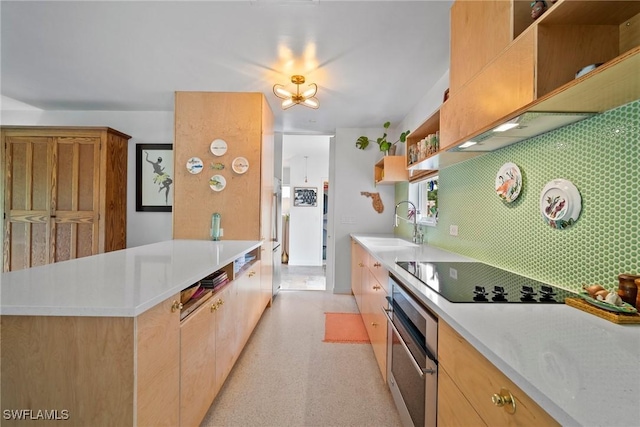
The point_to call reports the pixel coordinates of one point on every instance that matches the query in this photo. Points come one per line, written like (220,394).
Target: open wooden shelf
(389,170)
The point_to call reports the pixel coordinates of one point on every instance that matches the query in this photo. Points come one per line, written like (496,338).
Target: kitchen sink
(387,242)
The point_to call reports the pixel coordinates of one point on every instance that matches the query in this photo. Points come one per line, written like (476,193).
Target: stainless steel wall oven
(412,357)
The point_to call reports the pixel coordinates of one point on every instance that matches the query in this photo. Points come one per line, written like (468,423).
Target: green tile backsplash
(600,155)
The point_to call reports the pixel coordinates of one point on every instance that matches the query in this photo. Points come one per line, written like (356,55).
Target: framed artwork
(305,196)
(154,177)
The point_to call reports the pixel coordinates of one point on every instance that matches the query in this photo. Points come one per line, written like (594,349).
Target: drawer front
(479,380)
(379,272)
(376,323)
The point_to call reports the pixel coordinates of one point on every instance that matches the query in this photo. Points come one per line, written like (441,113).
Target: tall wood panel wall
(245,122)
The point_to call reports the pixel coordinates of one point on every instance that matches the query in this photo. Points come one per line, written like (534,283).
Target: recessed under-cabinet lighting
(468,144)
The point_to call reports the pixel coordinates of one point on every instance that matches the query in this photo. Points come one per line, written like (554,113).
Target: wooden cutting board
(611,316)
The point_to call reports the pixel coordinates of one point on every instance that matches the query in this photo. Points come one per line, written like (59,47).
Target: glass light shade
(311,102)
(281,92)
(313,89)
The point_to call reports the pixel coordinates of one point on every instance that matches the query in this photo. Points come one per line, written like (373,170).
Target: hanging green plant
(384,145)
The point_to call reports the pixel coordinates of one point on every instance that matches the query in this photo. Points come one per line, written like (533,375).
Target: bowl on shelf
(186,294)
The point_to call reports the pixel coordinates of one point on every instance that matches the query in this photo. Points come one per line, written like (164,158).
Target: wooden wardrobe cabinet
(65,193)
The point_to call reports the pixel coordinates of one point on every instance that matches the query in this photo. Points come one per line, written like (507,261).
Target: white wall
(353,213)
(146,127)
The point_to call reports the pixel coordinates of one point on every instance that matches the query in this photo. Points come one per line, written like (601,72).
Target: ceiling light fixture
(306,98)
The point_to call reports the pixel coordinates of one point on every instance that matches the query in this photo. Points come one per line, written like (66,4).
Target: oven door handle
(420,370)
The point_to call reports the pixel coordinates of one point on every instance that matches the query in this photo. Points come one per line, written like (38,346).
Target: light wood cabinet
(453,407)
(536,71)
(374,299)
(477,382)
(158,365)
(389,170)
(198,385)
(64,193)
(229,332)
(369,283)
(470,52)
(505,85)
(359,261)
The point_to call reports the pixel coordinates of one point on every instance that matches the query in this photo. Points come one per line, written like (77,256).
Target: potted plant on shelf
(384,145)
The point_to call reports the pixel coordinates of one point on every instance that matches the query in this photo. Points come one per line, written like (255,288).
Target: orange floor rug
(344,328)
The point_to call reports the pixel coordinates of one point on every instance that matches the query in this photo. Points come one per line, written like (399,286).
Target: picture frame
(154,177)
(305,196)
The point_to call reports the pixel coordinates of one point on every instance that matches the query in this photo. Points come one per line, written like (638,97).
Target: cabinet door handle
(376,287)
(377,264)
(214,307)
(374,324)
(360,264)
(176,306)
(504,399)
(252,273)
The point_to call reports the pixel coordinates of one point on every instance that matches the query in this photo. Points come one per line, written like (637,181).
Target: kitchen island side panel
(76,371)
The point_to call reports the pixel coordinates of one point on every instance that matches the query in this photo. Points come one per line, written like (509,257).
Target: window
(425,196)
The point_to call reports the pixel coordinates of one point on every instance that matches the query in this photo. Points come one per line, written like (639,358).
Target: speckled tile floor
(286,375)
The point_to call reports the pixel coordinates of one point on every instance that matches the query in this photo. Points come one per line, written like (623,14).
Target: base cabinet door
(358,266)
(479,381)
(197,364)
(375,298)
(158,365)
(453,408)
(228,343)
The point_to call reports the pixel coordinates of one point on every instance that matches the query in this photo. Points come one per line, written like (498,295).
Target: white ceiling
(372,61)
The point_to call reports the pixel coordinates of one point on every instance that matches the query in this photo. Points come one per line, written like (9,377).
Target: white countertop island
(122,283)
(581,369)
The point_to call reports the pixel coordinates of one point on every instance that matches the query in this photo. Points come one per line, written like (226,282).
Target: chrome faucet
(415,214)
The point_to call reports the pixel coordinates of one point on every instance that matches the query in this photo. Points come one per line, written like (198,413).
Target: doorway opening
(305,187)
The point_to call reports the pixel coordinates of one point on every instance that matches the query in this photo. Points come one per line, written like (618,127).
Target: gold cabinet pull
(376,287)
(252,273)
(374,324)
(505,400)
(176,306)
(360,264)
(216,305)
(377,264)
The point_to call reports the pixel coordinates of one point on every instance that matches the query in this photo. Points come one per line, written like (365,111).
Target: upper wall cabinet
(537,70)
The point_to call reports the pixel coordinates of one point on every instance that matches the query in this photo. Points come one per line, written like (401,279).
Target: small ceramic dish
(584,70)
(194,165)
(625,308)
(218,147)
(217,182)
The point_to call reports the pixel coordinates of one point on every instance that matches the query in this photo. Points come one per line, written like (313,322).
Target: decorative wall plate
(560,203)
(240,165)
(509,182)
(218,147)
(217,182)
(194,165)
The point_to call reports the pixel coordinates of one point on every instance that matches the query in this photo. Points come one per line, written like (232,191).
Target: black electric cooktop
(478,282)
